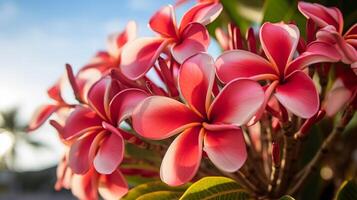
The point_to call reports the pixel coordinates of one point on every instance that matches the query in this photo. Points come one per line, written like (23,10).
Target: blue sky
(37,37)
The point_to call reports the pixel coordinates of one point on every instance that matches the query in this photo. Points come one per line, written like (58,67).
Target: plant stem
(325,147)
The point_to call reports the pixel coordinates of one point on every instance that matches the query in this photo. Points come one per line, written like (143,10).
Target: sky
(37,37)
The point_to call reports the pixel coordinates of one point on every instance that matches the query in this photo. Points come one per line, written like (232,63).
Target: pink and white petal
(85,186)
(113,186)
(338,96)
(129,34)
(100,95)
(299,95)
(123,104)
(279,42)
(242,64)
(140,55)
(110,154)
(80,121)
(160,117)
(352,32)
(117,41)
(196,78)
(203,13)
(164,22)
(194,39)
(316,52)
(41,116)
(79,154)
(226,149)
(243,97)
(183,157)
(321,15)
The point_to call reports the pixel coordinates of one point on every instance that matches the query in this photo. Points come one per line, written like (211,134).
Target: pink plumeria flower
(96,139)
(293,88)
(330,20)
(343,90)
(202,124)
(184,41)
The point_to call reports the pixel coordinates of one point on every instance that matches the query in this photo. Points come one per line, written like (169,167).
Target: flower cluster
(166,92)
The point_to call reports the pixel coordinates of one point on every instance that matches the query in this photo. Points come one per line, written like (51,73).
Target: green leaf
(214,187)
(283,10)
(347,191)
(155,190)
(161,195)
(286,197)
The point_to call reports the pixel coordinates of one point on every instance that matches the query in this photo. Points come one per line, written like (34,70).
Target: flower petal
(203,13)
(101,93)
(85,186)
(279,43)
(243,97)
(110,154)
(337,97)
(196,78)
(81,120)
(195,39)
(164,22)
(299,95)
(322,15)
(316,52)
(79,159)
(41,115)
(242,64)
(123,104)
(226,149)
(113,186)
(183,157)
(160,117)
(139,56)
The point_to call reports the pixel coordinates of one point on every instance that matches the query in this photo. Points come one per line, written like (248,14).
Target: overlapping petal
(243,97)
(243,64)
(112,186)
(139,56)
(226,149)
(81,120)
(322,15)
(316,52)
(183,157)
(124,102)
(110,154)
(79,154)
(194,39)
(279,43)
(203,13)
(299,95)
(196,78)
(164,22)
(161,117)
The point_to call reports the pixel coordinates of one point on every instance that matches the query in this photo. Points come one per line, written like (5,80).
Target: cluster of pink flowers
(203,102)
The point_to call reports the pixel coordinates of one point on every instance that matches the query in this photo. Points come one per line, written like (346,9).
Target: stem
(325,148)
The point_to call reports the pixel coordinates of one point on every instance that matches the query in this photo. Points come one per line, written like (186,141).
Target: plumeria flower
(203,124)
(343,90)
(88,185)
(294,89)
(184,40)
(330,20)
(97,140)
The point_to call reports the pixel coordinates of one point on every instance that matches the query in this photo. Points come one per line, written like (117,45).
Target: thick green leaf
(286,197)
(152,189)
(347,191)
(210,188)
